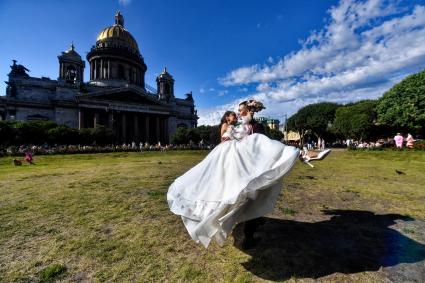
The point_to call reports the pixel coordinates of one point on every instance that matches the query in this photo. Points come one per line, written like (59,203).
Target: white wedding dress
(238,180)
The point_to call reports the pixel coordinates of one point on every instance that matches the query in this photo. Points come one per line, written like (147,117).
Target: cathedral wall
(67,116)
(183,109)
(187,122)
(22,113)
(66,93)
(35,89)
(172,126)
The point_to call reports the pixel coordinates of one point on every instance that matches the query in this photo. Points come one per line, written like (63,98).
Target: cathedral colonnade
(106,68)
(127,126)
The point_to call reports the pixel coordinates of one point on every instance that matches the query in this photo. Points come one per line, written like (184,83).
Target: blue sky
(286,53)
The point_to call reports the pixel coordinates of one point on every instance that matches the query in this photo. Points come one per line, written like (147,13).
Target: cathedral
(116,95)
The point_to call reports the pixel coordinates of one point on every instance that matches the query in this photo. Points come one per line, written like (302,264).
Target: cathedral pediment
(122,95)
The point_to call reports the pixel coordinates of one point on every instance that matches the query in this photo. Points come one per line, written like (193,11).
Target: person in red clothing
(28,158)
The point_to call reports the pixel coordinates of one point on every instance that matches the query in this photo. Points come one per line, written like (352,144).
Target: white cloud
(222,92)
(124,2)
(201,90)
(365,47)
(270,60)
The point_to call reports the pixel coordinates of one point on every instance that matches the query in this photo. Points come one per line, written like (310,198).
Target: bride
(239,180)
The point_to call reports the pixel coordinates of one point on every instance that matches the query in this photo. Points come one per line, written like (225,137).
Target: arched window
(71,74)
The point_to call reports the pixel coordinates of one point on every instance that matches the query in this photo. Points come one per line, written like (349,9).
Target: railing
(151,89)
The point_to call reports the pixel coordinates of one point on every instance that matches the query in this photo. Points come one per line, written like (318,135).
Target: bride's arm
(222,131)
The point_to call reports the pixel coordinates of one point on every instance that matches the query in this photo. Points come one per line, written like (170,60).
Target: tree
(204,133)
(215,137)
(403,106)
(180,136)
(7,133)
(315,118)
(273,133)
(356,120)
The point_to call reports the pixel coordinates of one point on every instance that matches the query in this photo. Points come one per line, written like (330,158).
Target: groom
(251,225)
(244,111)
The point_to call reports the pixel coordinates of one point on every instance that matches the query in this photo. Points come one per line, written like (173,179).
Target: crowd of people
(398,142)
(72,149)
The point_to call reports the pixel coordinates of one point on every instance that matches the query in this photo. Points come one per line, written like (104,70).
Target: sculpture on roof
(18,70)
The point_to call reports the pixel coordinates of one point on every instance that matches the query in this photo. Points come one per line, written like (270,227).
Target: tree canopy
(403,106)
(315,118)
(356,120)
(273,133)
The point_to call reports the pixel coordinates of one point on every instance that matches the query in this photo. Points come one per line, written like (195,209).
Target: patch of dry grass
(104,217)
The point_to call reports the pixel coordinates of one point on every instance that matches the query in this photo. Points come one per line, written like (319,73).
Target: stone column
(81,74)
(166,137)
(80,119)
(109,69)
(95,70)
(124,126)
(136,127)
(111,120)
(91,70)
(158,131)
(95,119)
(101,69)
(147,129)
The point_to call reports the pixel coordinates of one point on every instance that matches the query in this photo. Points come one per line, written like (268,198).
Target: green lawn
(104,217)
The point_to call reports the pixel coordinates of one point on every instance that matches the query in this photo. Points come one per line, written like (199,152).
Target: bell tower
(71,66)
(165,86)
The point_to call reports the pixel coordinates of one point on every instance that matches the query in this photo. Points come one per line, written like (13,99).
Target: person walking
(410,141)
(399,140)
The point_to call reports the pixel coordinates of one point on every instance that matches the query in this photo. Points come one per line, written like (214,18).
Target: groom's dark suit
(257,128)
(252,225)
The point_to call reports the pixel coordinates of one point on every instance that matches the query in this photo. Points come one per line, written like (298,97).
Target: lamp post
(285,129)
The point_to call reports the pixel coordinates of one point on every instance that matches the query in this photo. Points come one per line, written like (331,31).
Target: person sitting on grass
(28,158)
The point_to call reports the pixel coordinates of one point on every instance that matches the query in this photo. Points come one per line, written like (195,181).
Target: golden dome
(118,32)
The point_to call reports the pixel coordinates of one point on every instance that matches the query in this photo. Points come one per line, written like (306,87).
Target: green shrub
(62,134)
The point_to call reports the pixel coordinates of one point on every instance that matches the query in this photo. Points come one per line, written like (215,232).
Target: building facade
(269,122)
(115,95)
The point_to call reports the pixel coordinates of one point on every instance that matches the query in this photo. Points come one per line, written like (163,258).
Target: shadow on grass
(351,241)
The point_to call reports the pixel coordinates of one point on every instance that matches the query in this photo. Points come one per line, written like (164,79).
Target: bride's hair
(226,114)
(252,105)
